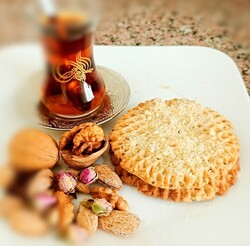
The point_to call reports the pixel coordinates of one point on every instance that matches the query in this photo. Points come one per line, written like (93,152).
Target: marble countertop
(222,26)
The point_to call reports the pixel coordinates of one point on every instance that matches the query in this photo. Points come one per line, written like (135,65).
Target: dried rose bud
(76,234)
(101,207)
(43,201)
(87,203)
(88,175)
(67,182)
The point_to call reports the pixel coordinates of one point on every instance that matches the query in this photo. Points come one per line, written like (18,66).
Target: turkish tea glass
(73,87)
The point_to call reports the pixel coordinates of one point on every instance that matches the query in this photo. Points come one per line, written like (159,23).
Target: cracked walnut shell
(82,145)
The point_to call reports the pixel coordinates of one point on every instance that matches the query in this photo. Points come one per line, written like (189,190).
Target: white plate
(198,73)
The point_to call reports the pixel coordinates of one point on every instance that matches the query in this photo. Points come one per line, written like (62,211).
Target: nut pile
(102,208)
(37,198)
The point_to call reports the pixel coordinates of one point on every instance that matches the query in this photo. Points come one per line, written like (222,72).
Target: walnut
(82,139)
(106,190)
(103,192)
(82,145)
(111,195)
(32,150)
(82,188)
(88,139)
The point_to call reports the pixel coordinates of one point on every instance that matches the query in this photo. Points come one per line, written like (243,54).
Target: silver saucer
(116,99)
(32,110)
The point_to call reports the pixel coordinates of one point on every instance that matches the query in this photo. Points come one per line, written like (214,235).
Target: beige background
(223,25)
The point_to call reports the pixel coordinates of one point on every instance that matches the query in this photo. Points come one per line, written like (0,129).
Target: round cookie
(176,145)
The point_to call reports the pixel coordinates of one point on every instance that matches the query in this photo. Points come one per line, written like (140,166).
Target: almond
(7,176)
(107,176)
(40,182)
(28,222)
(8,204)
(120,223)
(87,219)
(121,204)
(65,209)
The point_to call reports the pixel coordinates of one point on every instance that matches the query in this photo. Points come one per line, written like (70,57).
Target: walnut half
(82,145)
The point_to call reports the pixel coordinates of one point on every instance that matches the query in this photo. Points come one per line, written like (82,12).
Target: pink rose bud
(67,182)
(101,207)
(88,175)
(43,201)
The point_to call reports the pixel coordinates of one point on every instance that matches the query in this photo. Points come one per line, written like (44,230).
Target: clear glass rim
(36,14)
